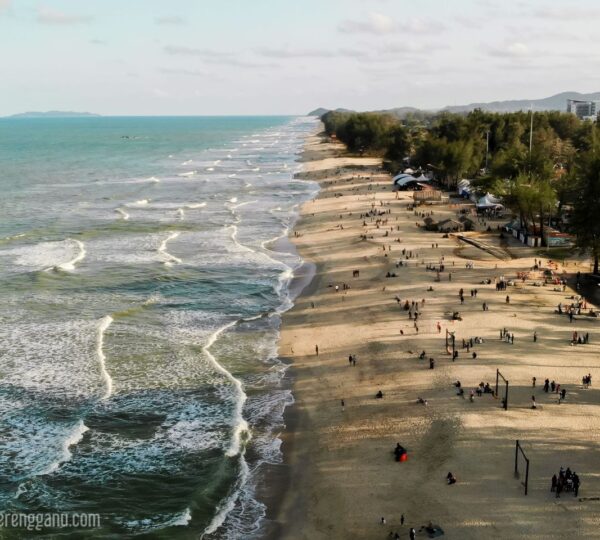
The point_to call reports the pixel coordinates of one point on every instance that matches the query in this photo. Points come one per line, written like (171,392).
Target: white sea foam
(124,215)
(233,199)
(162,249)
(70,265)
(105,322)
(240,426)
(232,175)
(180,213)
(226,506)
(153,179)
(235,206)
(186,174)
(73,438)
(182,519)
(195,205)
(210,168)
(137,204)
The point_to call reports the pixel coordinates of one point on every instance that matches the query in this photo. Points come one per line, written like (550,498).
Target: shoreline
(336,479)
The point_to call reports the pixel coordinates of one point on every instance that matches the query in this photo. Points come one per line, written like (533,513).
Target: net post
(506,398)
(497,374)
(517,457)
(526,475)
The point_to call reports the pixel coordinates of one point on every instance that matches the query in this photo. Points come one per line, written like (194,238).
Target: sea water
(139,316)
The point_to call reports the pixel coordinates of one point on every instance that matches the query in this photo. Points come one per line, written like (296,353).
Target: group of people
(567,481)
(580,339)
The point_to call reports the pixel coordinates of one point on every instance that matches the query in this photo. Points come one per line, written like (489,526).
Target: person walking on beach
(412,534)
(535,337)
(317,350)
(402,519)
(343,405)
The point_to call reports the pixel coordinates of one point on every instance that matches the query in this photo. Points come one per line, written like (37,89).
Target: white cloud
(310,53)
(376,23)
(177,50)
(379,24)
(512,50)
(183,71)
(221,58)
(169,20)
(567,13)
(50,16)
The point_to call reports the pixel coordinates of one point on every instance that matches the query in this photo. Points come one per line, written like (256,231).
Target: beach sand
(339,476)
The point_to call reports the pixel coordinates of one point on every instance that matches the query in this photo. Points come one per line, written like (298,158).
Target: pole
(530,141)
(497,373)
(517,458)
(526,476)
(487,149)
(506,397)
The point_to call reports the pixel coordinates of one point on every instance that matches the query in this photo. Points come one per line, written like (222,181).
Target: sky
(205,57)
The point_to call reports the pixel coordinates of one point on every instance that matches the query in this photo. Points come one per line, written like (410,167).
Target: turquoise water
(139,311)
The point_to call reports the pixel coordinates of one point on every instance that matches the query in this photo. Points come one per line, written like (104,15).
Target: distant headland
(52,114)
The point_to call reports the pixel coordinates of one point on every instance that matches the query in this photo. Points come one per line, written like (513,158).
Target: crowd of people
(567,481)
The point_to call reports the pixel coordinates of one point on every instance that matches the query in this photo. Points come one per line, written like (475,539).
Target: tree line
(545,165)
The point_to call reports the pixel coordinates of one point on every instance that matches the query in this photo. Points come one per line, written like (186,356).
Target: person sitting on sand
(422,355)
(421,401)
(379,395)
(399,451)
(451,479)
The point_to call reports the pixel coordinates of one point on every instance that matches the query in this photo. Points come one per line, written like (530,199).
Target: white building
(586,110)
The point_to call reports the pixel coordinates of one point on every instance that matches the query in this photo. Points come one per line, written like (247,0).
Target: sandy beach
(340,474)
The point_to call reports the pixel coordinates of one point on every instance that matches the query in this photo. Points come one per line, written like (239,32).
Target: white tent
(489,201)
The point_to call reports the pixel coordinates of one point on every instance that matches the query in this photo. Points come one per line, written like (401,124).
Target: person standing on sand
(535,337)
(402,519)
(317,350)
(343,405)
(412,534)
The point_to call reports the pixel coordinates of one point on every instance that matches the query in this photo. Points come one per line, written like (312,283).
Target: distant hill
(557,102)
(52,114)
(321,111)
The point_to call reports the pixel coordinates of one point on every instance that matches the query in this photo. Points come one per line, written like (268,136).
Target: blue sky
(287,57)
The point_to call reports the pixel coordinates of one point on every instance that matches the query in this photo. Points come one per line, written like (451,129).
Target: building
(586,110)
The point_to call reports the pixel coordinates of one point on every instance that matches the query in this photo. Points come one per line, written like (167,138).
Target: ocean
(140,297)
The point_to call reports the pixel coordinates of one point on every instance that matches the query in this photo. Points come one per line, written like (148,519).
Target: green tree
(585,220)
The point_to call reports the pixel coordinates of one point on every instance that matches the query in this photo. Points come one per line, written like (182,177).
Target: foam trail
(240,425)
(234,231)
(229,503)
(242,204)
(185,174)
(105,322)
(162,249)
(70,265)
(153,179)
(74,437)
(143,202)
(124,214)
(195,205)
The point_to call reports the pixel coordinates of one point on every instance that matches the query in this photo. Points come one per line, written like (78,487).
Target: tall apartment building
(586,110)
